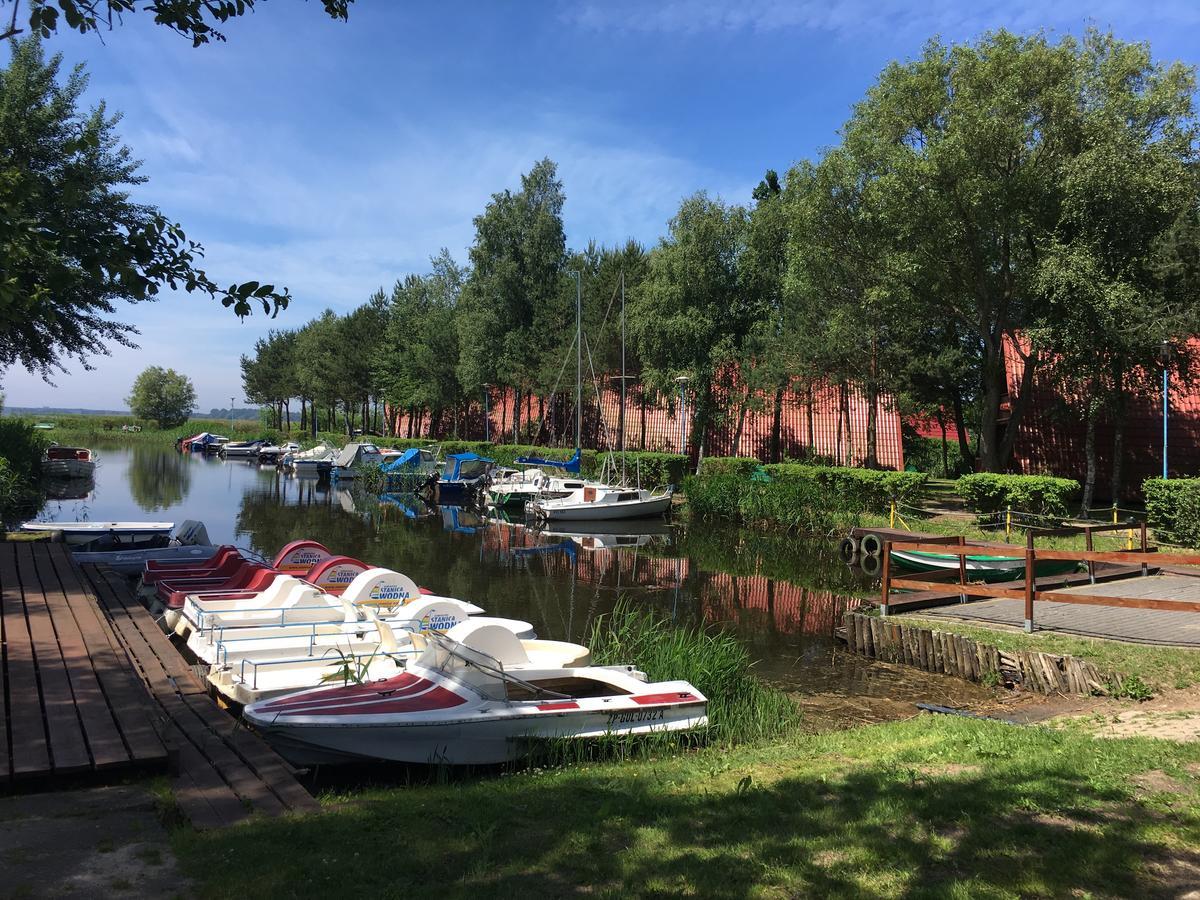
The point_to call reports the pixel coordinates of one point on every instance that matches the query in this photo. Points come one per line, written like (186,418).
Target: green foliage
(924,454)
(1173,509)
(741,708)
(743,466)
(868,490)
(21,449)
(802,504)
(72,239)
(195,20)
(1040,495)
(163,395)
(1129,687)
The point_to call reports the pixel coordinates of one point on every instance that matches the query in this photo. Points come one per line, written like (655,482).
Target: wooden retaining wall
(952,654)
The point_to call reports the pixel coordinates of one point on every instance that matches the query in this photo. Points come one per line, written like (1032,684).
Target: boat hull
(989,568)
(69,468)
(599,512)
(133,562)
(132,533)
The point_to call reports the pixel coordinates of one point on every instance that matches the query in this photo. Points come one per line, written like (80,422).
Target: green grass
(1159,667)
(933,806)
(969,529)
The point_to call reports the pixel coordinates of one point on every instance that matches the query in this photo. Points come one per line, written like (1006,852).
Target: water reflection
(158,480)
(783,597)
(69,488)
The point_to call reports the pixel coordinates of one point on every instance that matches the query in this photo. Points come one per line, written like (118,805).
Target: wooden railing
(960,547)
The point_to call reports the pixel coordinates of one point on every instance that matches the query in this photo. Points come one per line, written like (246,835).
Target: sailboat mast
(579,359)
(622,376)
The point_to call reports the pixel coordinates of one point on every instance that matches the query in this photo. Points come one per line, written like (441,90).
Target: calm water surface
(782,597)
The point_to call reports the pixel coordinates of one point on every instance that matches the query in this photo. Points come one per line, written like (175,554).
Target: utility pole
(578,359)
(231,414)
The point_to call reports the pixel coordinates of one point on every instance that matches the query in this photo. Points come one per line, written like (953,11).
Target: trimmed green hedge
(1173,509)
(1041,495)
(794,504)
(868,490)
(729,465)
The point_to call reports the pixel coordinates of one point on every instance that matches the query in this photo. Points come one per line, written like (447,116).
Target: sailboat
(595,501)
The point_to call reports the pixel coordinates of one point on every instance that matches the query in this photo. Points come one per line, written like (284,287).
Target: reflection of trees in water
(158,479)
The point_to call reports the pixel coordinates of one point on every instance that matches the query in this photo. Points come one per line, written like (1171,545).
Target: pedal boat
(474,696)
(368,649)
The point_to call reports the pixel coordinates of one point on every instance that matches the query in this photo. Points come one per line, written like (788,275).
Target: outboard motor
(192,533)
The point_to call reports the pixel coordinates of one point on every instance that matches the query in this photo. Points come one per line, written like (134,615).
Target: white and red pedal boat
(474,696)
(377,651)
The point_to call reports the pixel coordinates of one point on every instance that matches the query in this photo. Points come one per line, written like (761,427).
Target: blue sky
(335,158)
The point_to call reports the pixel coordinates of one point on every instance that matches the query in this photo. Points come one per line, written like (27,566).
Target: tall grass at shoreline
(794,505)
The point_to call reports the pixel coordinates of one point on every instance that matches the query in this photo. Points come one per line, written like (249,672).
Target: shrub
(1173,509)
(729,465)
(1041,495)
(862,489)
(20,470)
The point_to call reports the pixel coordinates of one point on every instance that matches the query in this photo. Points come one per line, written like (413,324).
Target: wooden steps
(223,773)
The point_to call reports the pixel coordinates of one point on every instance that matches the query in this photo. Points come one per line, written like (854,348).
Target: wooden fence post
(887,578)
(1030,581)
(1091,566)
(962,568)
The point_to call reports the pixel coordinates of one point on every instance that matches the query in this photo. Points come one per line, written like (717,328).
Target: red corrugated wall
(1051,435)
(838,418)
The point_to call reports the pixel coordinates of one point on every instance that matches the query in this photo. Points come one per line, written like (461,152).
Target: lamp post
(682,381)
(1166,364)
(231,414)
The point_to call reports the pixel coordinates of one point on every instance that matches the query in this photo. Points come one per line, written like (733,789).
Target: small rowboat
(68,462)
(474,696)
(989,568)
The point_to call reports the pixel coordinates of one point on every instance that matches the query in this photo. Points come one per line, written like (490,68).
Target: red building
(826,421)
(1052,431)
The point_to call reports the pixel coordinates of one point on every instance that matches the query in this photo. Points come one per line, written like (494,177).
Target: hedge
(1173,509)
(869,490)
(729,465)
(1041,495)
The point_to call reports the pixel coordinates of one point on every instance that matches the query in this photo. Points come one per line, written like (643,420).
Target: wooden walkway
(71,703)
(1143,626)
(223,772)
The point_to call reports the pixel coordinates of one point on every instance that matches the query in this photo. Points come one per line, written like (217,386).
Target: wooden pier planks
(69,704)
(224,772)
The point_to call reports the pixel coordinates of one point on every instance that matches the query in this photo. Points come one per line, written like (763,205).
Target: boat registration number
(636,715)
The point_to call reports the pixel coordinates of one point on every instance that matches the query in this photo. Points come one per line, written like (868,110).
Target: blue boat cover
(571,465)
(409,457)
(466,457)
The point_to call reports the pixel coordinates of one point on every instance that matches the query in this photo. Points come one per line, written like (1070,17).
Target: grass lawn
(932,806)
(1158,667)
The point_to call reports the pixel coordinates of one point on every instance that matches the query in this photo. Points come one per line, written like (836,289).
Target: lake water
(781,596)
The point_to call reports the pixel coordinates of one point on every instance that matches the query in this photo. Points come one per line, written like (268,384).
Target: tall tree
(164,395)
(511,311)
(976,148)
(692,318)
(72,240)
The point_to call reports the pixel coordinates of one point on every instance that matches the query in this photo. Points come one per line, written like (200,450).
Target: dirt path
(92,842)
(1172,716)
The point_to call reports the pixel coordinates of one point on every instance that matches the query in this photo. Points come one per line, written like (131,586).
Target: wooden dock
(71,700)
(223,772)
(90,687)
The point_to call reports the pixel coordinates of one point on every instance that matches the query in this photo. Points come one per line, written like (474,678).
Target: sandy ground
(1172,716)
(89,842)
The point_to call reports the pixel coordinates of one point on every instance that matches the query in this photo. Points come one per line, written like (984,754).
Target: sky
(335,158)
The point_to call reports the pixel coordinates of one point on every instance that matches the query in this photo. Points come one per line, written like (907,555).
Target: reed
(795,505)
(742,708)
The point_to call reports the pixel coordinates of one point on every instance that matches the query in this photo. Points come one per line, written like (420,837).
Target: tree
(163,395)
(977,154)
(511,309)
(193,19)
(72,240)
(691,318)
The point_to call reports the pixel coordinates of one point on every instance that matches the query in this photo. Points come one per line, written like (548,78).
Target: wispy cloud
(858,17)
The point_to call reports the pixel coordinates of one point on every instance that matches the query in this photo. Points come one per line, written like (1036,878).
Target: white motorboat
(598,502)
(353,457)
(241,449)
(313,461)
(190,544)
(274,453)
(68,462)
(513,487)
(376,651)
(131,534)
(476,695)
